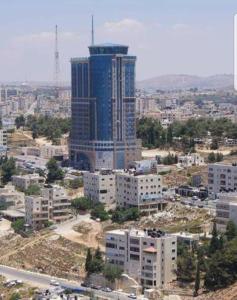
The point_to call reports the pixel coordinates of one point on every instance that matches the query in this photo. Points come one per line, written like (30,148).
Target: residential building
(222,178)
(148,256)
(141,191)
(192,159)
(226,210)
(9,196)
(145,166)
(103,133)
(24,181)
(53,205)
(100,186)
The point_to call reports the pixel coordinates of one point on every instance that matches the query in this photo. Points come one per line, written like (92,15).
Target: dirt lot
(45,252)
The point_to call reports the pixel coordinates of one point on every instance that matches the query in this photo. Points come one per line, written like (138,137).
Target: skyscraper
(103,131)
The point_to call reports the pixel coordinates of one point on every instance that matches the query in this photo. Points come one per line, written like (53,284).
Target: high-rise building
(103,131)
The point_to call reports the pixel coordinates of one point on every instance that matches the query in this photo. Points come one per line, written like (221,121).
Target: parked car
(132,296)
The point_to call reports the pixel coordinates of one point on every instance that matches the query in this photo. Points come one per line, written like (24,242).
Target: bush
(76,183)
(99,212)
(121,215)
(112,272)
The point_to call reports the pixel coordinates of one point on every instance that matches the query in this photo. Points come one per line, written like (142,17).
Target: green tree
(81,203)
(98,254)
(88,260)
(197,279)
(231,230)
(99,212)
(186,267)
(214,243)
(18,225)
(112,272)
(20,121)
(54,171)
(76,183)
(33,189)
(214,144)
(15,296)
(211,157)
(8,169)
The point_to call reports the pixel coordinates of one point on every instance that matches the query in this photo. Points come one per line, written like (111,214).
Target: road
(43,281)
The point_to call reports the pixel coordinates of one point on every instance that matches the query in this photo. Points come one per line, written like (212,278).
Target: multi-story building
(148,256)
(53,205)
(24,181)
(193,159)
(103,133)
(226,210)
(9,196)
(100,186)
(141,191)
(222,178)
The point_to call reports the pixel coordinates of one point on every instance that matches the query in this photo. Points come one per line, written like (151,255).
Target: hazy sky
(168,36)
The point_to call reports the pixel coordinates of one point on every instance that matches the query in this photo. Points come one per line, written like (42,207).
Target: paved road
(43,281)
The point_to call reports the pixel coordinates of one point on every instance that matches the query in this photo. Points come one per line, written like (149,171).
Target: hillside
(179,81)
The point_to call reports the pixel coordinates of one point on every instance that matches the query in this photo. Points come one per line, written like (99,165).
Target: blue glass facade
(103,107)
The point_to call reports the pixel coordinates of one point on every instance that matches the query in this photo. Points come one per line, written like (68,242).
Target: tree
(88,260)
(112,272)
(99,212)
(214,243)
(197,279)
(98,254)
(8,169)
(81,203)
(54,171)
(15,296)
(76,183)
(214,144)
(211,157)
(20,121)
(18,225)
(231,230)
(186,267)
(33,189)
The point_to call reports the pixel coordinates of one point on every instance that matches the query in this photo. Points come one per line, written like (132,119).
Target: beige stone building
(53,205)
(24,181)
(147,256)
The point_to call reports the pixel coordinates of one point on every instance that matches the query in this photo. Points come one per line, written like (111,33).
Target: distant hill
(174,82)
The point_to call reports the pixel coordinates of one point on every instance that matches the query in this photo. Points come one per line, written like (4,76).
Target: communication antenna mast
(56,59)
(92,30)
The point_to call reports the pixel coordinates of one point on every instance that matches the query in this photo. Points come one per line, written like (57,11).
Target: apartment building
(226,210)
(24,181)
(222,178)
(53,205)
(148,256)
(100,186)
(142,191)
(193,159)
(9,196)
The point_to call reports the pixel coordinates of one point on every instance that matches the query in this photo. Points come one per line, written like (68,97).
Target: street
(43,281)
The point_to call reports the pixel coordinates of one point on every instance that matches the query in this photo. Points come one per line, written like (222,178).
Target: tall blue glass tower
(103,133)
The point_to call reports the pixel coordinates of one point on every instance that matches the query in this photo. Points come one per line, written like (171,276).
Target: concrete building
(141,191)
(100,186)
(193,159)
(222,178)
(148,256)
(24,181)
(226,210)
(103,133)
(53,205)
(10,197)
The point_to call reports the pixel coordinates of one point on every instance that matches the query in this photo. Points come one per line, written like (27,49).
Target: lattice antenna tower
(56,59)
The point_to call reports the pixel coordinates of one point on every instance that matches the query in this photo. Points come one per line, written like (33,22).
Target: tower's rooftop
(108,48)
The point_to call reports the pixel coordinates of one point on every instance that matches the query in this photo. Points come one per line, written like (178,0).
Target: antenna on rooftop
(92,30)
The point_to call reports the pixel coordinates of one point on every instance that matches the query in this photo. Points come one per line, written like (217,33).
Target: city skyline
(189,38)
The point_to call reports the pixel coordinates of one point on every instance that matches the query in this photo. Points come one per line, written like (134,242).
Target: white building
(53,205)
(24,181)
(226,210)
(141,191)
(10,197)
(193,159)
(100,186)
(148,256)
(222,178)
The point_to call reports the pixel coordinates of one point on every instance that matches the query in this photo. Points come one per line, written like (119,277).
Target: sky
(168,36)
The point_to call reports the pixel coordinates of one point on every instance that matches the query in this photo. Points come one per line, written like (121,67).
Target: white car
(132,296)
(54,282)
